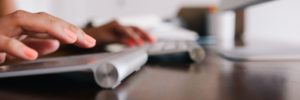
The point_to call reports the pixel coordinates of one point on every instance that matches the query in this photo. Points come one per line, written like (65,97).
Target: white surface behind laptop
(80,11)
(233,4)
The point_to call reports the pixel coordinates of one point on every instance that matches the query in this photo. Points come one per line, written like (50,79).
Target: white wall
(34,5)
(274,17)
(275,21)
(79,11)
(198,3)
(278,17)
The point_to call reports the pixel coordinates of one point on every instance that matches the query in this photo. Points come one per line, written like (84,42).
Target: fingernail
(140,42)
(152,39)
(90,40)
(129,42)
(70,34)
(30,53)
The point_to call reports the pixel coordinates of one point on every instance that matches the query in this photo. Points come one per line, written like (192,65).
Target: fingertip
(71,36)
(42,46)
(17,49)
(140,42)
(144,34)
(86,42)
(128,43)
(29,54)
(2,57)
(52,46)
(152,39)
(91,42)
(55,43)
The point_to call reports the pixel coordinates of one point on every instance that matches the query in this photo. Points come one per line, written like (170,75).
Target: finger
(42,46)
(134,36)
(45,23)
(17,48)
(39,35)
(130,34)
(144,35)
(84,40)
(10,57)
(128,42)
(2,57)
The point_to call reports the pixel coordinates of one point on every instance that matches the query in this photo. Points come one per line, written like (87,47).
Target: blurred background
(277,20)
(79,11)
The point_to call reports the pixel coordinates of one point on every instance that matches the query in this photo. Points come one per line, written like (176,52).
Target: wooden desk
(214,79)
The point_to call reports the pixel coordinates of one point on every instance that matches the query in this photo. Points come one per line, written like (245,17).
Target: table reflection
(255,82)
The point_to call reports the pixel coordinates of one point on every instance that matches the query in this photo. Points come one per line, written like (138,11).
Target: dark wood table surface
(213,79)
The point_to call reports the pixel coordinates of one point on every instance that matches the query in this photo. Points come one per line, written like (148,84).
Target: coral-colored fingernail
(70,34)
(140,42)
(30,53)
(90,40)
(129,42)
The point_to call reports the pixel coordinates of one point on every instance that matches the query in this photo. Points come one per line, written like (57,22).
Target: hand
(26,35)
(115,32)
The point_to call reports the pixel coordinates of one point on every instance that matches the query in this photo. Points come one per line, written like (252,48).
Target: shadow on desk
(70,86)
